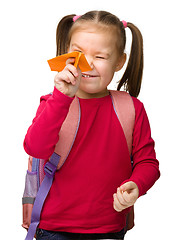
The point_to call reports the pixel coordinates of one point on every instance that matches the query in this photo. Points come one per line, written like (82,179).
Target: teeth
(83,75)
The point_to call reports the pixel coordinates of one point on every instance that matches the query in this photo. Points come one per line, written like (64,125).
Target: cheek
(104,68)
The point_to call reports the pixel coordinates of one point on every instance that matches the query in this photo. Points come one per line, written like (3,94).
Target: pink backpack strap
(68,131)
(125,111)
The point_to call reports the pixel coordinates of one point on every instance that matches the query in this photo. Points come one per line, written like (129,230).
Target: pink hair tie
(124,24)
(76,17)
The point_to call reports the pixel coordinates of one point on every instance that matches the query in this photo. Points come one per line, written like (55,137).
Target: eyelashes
(96,57)
(100,57)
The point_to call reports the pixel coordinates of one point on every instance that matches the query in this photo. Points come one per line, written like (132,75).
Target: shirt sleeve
(43,134)
(145,165)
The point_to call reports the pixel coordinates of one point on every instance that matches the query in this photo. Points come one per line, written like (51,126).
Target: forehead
(94,34)
(91,26)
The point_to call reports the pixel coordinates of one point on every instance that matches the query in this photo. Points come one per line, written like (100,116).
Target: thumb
(128,186)
(130,192)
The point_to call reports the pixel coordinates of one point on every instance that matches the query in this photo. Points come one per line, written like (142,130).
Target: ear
(121,62)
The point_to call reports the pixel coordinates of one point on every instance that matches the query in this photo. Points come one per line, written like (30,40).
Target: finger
(62,76)
(117,205)
(72,70)
(128,197)
(131,197)
(128,186)
(131,191)
(67,75)
(69,78)
(70,61)
(120,197)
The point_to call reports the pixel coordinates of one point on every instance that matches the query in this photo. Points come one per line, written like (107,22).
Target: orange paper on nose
(59,63)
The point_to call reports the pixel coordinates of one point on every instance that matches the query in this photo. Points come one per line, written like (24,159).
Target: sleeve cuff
(61,96)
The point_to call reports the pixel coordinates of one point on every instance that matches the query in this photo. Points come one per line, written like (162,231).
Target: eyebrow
(75,45)
(103,53)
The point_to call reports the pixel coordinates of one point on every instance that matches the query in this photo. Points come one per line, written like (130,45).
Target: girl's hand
(126,196)
(68,80)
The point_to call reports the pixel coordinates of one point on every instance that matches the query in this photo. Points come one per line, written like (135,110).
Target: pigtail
(62,34)
(132,77)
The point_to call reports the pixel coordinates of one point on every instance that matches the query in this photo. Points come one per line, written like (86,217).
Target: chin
(89,89)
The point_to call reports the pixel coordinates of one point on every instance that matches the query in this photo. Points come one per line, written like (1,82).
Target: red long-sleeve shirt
(81,197)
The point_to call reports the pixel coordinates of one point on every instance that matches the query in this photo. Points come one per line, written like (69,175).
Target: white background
(27,40)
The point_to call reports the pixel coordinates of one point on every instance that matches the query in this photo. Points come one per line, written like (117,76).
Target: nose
(90,61)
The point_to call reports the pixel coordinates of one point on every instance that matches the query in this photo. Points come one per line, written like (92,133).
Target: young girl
(94,189)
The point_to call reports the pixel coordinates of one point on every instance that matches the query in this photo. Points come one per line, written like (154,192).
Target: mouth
(88,75)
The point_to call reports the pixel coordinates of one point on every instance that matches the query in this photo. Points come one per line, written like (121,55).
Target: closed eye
(100,57)
(76,50)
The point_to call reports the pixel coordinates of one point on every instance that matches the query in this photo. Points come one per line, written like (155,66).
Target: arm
(145,165)
(43,134)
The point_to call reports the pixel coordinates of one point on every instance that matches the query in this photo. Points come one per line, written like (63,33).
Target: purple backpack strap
(50,169)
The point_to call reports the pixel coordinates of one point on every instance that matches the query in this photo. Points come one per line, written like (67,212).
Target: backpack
(40,173)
